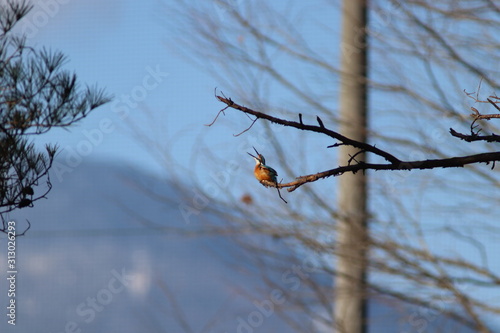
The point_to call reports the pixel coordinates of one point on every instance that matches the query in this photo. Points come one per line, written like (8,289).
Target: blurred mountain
(104,256)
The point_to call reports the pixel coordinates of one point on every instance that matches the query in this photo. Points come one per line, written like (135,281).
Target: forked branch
(393,163)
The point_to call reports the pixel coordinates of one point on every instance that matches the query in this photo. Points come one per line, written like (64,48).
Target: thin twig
(353,157)
(494,104)
(485,116)
(221,111)
(215,94)
(253,122)
(279,193)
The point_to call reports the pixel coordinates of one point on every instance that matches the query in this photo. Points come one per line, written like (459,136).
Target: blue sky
(121,46)
(126,48)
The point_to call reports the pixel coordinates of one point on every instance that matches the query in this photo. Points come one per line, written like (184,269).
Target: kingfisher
(266,175)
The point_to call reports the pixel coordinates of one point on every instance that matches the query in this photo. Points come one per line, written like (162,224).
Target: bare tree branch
(318,129)
(395,163)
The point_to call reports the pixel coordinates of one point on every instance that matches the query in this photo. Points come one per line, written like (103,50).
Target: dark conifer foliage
(36,94)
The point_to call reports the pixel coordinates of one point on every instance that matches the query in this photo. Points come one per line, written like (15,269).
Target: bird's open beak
(255,152)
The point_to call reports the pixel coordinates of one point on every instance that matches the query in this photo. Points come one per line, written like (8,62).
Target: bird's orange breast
(262,174)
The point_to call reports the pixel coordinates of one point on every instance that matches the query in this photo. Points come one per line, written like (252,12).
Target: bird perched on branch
(266,175)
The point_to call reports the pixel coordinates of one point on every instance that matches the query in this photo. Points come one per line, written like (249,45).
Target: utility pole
(350,296)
